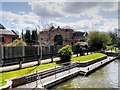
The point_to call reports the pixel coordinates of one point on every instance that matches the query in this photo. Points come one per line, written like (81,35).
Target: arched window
(58,40)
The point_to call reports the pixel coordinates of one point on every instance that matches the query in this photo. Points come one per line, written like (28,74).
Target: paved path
(52,78)
(13,67)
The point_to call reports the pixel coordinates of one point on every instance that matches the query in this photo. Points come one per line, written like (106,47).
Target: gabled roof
(78,34)
(1,26)
(6,32)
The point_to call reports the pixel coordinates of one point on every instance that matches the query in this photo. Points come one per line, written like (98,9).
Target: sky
(78,14)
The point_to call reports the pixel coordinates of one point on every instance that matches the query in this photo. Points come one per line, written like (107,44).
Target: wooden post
(22,58)
(20,63)
(38,56)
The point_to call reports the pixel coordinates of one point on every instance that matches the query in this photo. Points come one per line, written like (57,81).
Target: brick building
(7,36)
(60,36)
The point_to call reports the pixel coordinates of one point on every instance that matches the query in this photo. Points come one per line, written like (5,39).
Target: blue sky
(81,16)
(16,7)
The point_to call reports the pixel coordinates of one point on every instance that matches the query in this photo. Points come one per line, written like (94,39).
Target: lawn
(21,72)
(112,48)
(88,57)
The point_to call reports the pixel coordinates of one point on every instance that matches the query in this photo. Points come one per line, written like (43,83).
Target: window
(13,38)
(2,39)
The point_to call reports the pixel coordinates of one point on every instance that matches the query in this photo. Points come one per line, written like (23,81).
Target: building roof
(1,26)
(7,32)
(78,34)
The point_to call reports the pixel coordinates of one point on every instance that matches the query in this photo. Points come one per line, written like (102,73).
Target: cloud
(47,12)
(65,9)
(21,20)
(99,23)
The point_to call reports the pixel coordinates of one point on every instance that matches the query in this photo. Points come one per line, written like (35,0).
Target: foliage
(88,57)
(113,37)
(27,36)
(22,35)
(17,43)
(30,38)
(65,53)
(97,40)
(34,36)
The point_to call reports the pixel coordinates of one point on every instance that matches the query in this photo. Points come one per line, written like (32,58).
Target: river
(105,77)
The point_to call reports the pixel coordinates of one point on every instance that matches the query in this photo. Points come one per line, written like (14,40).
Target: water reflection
(105,77)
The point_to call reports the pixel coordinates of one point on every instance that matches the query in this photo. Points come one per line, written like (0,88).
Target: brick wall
(48,36)
(8,38)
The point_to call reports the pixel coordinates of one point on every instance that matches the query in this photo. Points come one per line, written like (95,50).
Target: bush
(65,53)
(17,43)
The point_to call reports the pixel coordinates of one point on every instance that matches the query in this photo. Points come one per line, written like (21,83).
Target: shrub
(65,53)
(17,43)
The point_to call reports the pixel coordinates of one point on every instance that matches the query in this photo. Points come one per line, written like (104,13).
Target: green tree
(65,53)
(34,36)
(22,35)
(97,40)
(17,43)
(27,36)
(113,37)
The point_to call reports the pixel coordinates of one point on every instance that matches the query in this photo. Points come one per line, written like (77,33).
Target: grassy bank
(88,57)
(21,72)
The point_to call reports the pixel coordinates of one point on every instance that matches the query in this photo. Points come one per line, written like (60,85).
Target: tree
(27,36)
(17,43)
(65,53)
(22,35)
(97,40)
(113,37)
(34,36)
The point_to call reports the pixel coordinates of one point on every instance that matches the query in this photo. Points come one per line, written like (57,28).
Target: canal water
(105,77)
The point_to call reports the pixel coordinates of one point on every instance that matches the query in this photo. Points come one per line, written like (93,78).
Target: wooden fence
(14,54)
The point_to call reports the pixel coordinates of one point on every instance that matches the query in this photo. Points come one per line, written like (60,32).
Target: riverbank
(12,74)
(64,75)
(106,77)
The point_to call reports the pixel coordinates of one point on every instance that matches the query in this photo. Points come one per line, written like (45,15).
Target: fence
(16,54)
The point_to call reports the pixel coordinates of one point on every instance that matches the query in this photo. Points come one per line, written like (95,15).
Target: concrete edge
(8,85)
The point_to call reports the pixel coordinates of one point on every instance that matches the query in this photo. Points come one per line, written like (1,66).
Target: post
(20,63)
(87,52)
(69,68)
(37,78)
(38,56)
(55,73)
(22,58)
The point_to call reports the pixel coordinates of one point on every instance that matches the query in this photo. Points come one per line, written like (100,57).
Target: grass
(21,72)
(112,48)
(88,57)
(2,83)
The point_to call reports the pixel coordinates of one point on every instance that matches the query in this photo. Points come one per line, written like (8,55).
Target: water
(105,77)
